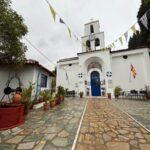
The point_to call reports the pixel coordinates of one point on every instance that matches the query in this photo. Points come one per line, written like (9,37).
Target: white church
(96,72)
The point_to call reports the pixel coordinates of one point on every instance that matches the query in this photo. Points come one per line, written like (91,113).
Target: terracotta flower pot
(52,103)
(11,115)
(16,98)
(58,101)
(61,98)
(46,106)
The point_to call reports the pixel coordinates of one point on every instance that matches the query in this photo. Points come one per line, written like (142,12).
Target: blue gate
(95,84)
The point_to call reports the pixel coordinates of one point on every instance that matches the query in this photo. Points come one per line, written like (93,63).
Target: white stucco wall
(72,72)
(121,69)
(28,74)
(103,57)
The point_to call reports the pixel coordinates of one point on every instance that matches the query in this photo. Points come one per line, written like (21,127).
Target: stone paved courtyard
(105,127)
(140,110)
(47,130)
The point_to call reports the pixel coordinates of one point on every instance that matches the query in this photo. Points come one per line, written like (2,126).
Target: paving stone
(49,136)
(139,135)
(134,143)
(4,146)
(144,146)
(60,142)
(5,133)
(106,137)
(117,146)
(15,139)
(122,138)
(40,145)
(123,134)
(63,133)
(27,145)
(33,138)
(123,131)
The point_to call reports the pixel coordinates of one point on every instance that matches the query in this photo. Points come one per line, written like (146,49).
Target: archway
(95,84)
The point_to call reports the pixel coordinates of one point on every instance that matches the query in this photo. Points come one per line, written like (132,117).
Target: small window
(88,44)
(43,81)
(125,57)
(97,42)
(91,28)
(70,64)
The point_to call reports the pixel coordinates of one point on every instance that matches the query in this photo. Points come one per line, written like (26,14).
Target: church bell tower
(93,39)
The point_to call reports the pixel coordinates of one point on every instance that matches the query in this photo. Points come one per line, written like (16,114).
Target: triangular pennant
(113,45)
(144,21)
(126,36)
(121,41)
(69,31)
(53,12)
(61,21)
(133,29)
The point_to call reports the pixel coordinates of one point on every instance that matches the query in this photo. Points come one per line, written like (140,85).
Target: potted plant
(11,115)
(26,98)
(45,96)
(52,102)
(81,94)
(61,93)
(57,99)
(117,91)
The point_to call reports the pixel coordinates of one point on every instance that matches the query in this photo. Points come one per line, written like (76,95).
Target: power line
(39,51)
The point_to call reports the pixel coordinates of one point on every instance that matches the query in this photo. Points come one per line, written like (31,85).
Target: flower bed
(11,115)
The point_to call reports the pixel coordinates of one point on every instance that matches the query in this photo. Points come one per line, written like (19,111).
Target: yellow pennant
(121,41)
(69,31)
(53,12)
(133,29)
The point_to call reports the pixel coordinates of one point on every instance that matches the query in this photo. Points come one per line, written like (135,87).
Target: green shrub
(117,91)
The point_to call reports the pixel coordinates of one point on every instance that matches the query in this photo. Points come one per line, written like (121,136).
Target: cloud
(116,16)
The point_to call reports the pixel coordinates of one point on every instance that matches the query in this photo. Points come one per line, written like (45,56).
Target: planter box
(12,115)
(37,106)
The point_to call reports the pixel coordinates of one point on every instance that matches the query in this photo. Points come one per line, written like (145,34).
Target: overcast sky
(115,16)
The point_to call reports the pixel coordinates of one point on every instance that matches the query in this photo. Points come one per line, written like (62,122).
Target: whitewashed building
(32,72)
(97,72)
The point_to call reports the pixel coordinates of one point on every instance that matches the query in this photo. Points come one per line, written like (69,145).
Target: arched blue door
(95,84)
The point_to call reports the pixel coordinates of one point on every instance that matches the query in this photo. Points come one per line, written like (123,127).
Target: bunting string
(143,20)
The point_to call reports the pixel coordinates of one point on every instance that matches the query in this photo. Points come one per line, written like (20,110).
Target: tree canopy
(142,38)
(12,29)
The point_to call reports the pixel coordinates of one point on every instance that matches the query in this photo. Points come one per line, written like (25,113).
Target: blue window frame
(43,80)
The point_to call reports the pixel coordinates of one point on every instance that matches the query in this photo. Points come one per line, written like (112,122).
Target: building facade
(97,72)
(32,72)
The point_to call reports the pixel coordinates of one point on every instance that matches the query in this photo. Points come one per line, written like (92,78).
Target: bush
(61,91)
(45,95)
(117,91)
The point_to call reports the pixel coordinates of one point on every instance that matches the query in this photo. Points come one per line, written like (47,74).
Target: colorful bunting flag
(121,41)
(126,36)
(133,71)
(113,45)
(69,31)
(61,21)
(53,12)
(144,21)
(133,29)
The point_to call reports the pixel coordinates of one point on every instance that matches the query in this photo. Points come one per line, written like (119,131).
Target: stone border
(132,118)
(78,131)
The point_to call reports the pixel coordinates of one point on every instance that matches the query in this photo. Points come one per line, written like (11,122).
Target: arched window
(91,28)
(88,45)
(97,42)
